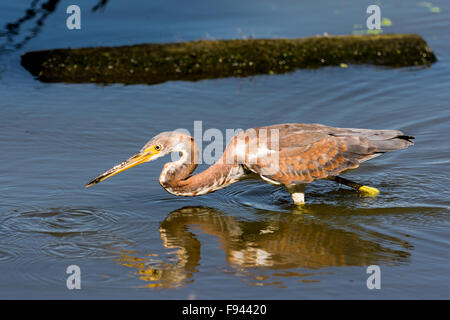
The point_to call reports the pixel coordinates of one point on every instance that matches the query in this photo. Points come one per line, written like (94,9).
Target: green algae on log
(196,60)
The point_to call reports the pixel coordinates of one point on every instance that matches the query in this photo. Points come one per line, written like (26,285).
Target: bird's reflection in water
(277,241)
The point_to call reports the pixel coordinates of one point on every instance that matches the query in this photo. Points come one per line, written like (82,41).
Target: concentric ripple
(64,232)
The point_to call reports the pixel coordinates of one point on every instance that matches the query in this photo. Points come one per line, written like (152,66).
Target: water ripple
(64,232)
(59,221)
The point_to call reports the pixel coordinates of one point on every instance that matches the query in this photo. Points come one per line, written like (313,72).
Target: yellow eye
(158,147)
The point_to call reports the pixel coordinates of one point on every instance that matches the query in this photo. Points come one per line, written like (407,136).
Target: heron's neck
(176,176)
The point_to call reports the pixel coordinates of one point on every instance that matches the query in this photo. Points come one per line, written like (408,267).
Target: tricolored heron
(300,154)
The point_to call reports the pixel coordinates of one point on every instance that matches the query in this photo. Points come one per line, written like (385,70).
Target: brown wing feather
(308,152)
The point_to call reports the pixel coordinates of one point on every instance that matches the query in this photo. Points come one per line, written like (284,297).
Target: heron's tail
(382,140)
(391,140)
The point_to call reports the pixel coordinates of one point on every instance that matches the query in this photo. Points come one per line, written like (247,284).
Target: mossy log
(156,63)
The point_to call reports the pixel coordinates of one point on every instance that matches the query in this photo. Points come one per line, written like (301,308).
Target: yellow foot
(371,192)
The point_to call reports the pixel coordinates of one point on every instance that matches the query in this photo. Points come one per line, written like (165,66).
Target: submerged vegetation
(204,59)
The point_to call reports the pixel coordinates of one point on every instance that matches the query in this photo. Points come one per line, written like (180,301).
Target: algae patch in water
(204,59)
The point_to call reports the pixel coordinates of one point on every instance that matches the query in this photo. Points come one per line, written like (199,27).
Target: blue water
(131,239)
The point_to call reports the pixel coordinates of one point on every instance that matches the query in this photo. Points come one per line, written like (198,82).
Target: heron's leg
(370,191)
(297,192)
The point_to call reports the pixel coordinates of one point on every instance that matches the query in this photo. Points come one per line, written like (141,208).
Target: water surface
(132,239)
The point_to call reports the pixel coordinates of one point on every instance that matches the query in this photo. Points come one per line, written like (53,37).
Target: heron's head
(159,146)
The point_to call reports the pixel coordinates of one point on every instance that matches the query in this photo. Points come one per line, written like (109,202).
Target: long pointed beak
(133,161)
